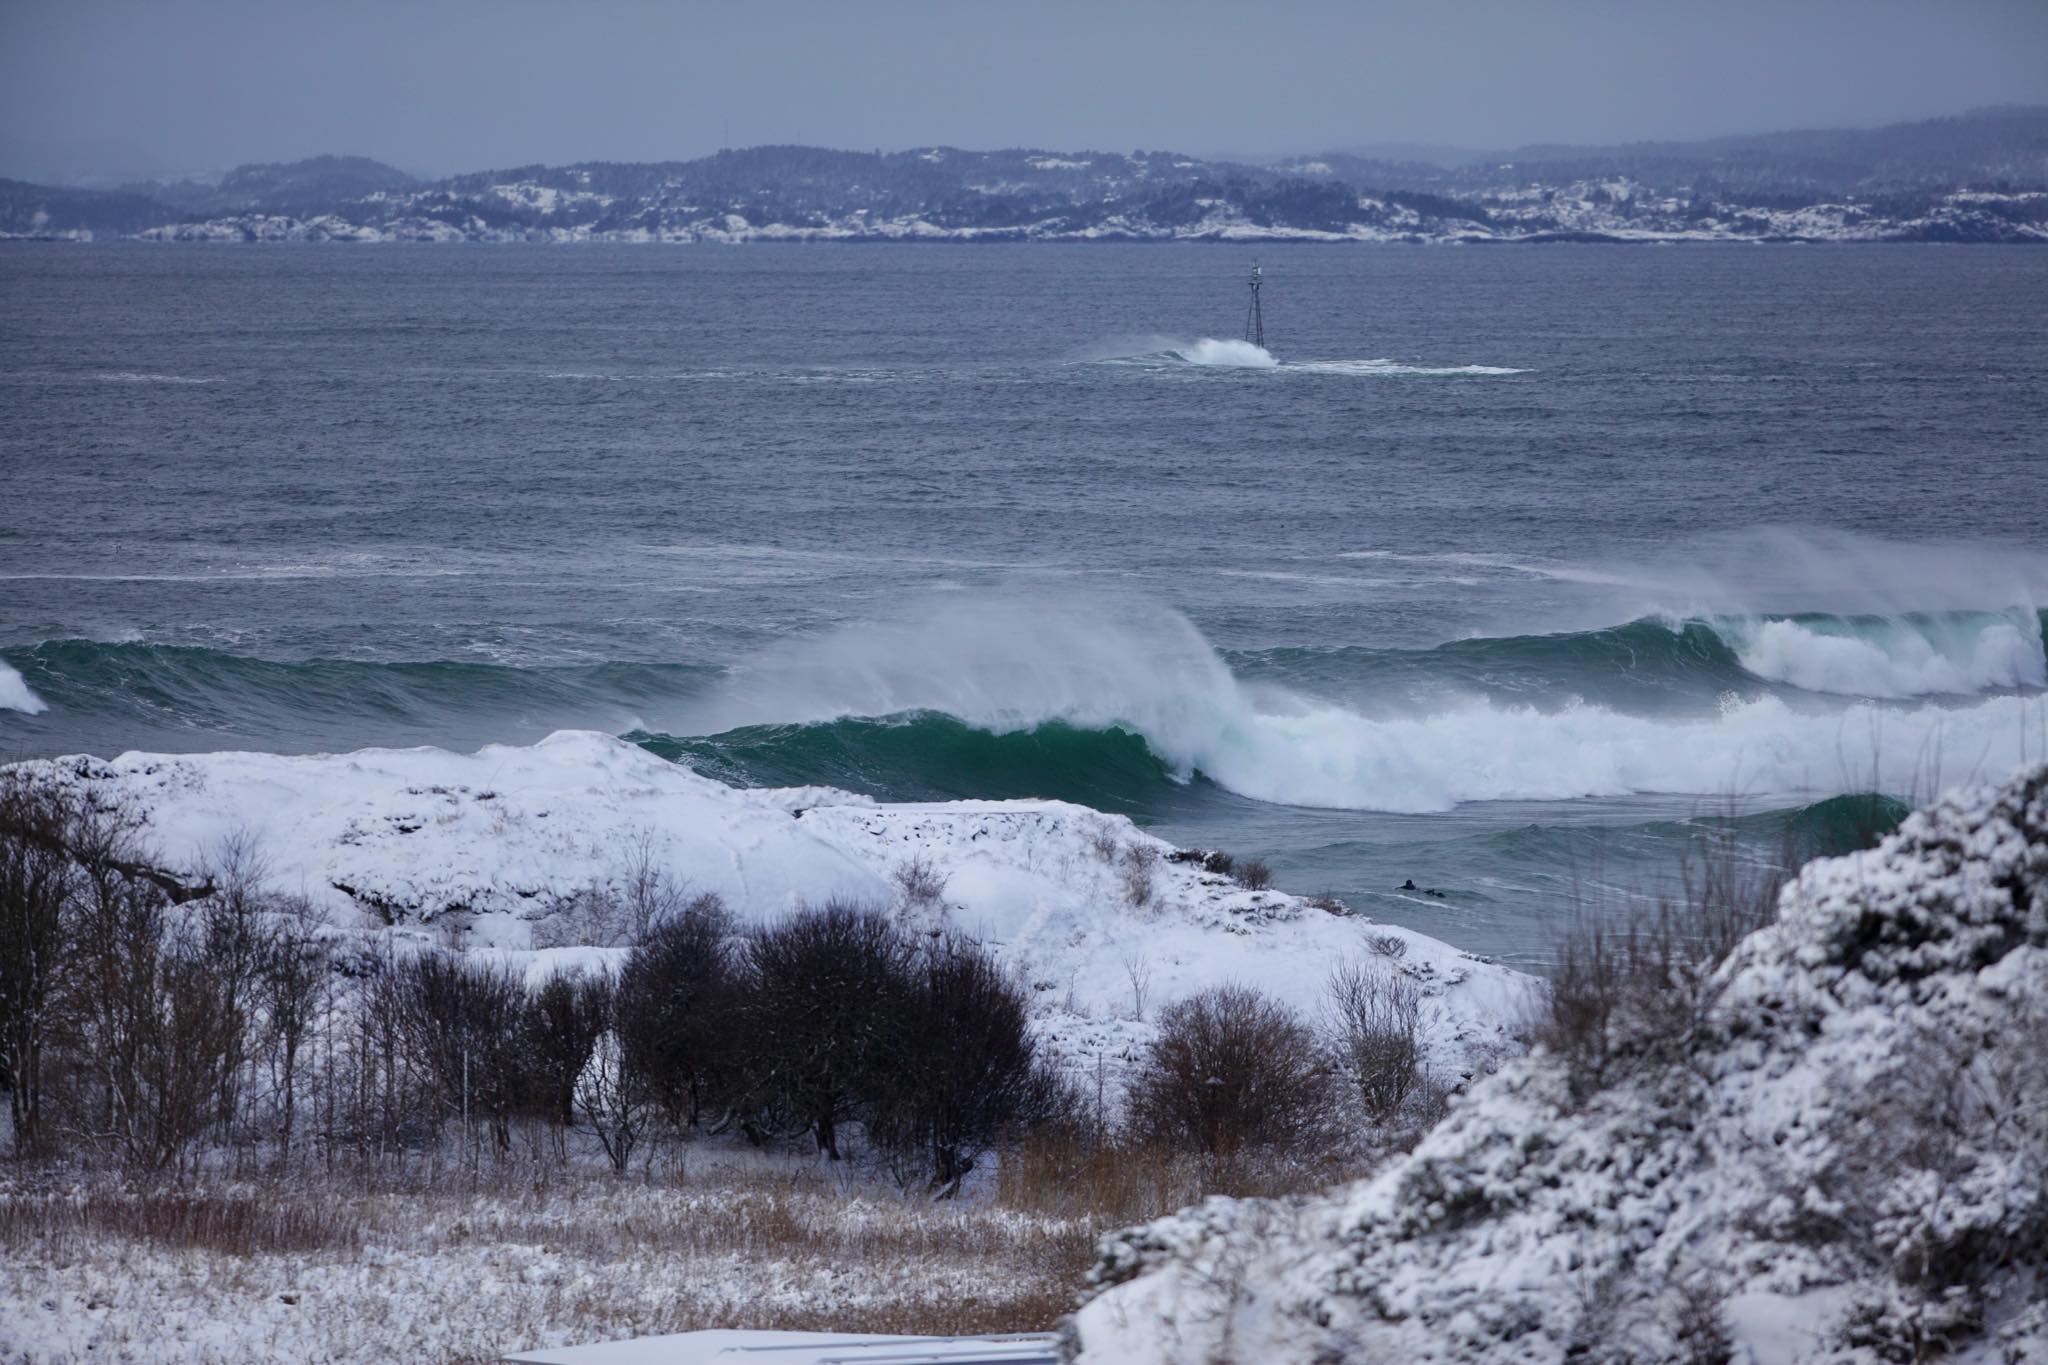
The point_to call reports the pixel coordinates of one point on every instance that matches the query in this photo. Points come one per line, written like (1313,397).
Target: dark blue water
(1512,560)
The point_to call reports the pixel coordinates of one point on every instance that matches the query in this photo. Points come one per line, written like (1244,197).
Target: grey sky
(176,85)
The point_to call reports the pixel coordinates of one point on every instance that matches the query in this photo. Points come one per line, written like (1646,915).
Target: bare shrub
(1136,865)
(1375,1019)
(646,895)
(590,916)
(1252,875)
(1231,1069)
(1331,905)
(920,883)
(1218,862)
(1636,994)
(1102,841)
(1390,946)
(1137,886)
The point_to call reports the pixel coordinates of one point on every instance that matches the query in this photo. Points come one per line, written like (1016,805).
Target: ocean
(1512,571)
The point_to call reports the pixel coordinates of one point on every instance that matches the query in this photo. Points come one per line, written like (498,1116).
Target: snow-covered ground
(490,851)
(451,1275)
(1845,1163)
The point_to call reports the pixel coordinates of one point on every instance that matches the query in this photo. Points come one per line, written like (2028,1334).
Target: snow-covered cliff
(1847,1164)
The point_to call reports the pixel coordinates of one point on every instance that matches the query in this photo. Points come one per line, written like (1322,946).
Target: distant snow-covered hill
(1980,178)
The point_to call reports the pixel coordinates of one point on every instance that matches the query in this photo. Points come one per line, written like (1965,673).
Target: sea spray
(1233,354)
(1895,657)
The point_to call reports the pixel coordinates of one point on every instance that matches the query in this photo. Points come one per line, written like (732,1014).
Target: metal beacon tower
(1255,317)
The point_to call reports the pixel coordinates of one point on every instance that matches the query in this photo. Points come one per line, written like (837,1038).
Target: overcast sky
(178,85)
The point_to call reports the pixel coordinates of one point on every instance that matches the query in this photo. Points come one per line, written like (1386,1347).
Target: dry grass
(227,1224)
(441,1271)
(1110,1184)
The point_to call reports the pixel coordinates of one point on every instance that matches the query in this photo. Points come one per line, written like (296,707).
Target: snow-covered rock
(491,850)
(1847,1165)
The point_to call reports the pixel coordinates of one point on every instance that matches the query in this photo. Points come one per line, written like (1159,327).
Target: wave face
(1131,708)
(184,697)
(924,756)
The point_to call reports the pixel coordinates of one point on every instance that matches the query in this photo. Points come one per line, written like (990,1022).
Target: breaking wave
(1955,653)
(15,694)
(1215,353)
(1018,668)
(1118,705)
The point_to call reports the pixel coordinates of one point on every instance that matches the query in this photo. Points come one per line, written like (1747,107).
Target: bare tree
(961,1072)
(610,1093)
(650,897)
(157,1033)
(290,989)
(818,997)
(460,1022)
(565,1016)
(674,1013)
(38,883)
(1139,972)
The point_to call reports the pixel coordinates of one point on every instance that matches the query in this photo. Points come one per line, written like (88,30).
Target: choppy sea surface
(1513,572)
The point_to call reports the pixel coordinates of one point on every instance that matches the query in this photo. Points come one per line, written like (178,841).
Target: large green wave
(929,757)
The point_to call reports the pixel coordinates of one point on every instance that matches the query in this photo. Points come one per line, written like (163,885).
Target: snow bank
(486,849)
(1848,1167)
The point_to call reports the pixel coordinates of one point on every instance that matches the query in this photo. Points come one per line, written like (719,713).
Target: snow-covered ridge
(1574,211)
(489,851)
(1982,180)
(1849,1166)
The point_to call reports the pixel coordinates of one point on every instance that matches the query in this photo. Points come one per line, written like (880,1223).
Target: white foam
(15,694)
(134,377)
(1375,368)
(1012,663)
(1231,354)
(1898,658)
